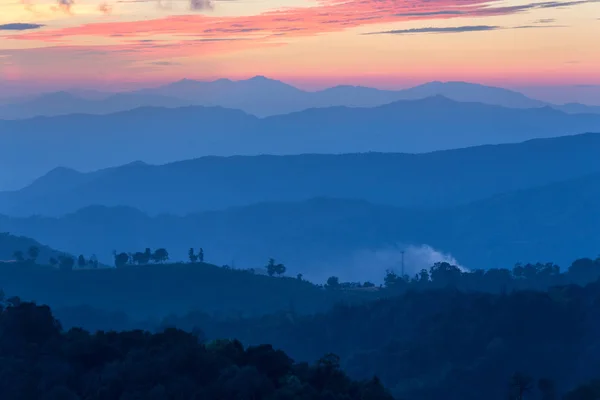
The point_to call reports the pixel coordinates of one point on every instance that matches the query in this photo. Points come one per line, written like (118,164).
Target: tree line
(539,276)
(62,261)
(42,361)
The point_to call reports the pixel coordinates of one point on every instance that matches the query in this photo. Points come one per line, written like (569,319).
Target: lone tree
(201,255)
(274,268)
(121,259)
(160,255)
(333,282)
(93,261)
(33,253)
(81,261)
(192,256)
(18,255)
(66,263)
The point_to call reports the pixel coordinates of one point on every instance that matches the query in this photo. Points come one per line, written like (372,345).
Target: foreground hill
(423,345)
(151,291)
(438,179)
(29,148)
(448,344)
(40,361)
(355,240)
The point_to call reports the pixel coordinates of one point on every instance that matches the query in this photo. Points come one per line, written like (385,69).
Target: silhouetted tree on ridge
(275,268)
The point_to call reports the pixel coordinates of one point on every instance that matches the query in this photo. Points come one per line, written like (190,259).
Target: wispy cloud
(430,13)
(105,8)
(64,6)
(544,21)
(537,26)
(197,5)
(454,29)
(164,63)
(328,16)
(19,27)
(458,29)
(200,34)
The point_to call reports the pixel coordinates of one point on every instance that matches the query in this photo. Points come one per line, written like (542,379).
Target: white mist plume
(371,265)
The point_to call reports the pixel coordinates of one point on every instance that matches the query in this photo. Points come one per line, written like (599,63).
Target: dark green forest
(41,361)
(530,332)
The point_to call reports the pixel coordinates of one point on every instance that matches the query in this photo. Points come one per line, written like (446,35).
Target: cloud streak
(329,16)
(20,27)
(201,5)
(198,35)
(459,29)
(64,6)
(455,29)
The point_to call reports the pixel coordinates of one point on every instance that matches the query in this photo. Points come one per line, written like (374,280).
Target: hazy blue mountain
(471,92)
(64,103)
(30,148)
(577,108)
(353,239)
(437,179)
(262,97)
(9,244)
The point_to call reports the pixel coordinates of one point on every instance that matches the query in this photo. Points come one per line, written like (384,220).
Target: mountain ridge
(350,238)
(263,97)
(429,180)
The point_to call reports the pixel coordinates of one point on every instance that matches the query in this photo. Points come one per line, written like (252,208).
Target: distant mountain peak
(137,163)
(62,171)
(261,78)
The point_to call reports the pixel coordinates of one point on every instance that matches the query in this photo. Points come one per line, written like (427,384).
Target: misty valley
(250,240)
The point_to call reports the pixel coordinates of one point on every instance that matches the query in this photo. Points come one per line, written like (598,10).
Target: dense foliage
(444,343)
(39,361)
(155,290)
(527,333)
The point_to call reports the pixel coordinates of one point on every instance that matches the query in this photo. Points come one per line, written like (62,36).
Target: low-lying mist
(371,264)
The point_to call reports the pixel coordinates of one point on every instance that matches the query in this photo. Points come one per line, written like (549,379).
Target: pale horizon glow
(388,44)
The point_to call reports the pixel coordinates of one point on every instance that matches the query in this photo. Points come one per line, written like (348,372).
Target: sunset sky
(386,43)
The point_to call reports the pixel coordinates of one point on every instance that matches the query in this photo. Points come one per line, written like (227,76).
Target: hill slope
(159,135)
(439,179)
(9,244)
(355,240)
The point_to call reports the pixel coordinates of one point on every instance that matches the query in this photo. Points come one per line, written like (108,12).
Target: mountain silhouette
(262,97)
(352,239)
(162,135)
(431,180)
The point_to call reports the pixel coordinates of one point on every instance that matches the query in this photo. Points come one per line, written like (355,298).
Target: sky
(121,44)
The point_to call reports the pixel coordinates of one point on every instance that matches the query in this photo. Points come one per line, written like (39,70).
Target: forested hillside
(443,334)
(20,248)
(353,239)
(41,361)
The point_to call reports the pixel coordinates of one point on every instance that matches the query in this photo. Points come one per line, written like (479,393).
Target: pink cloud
(329,16)
(202,35)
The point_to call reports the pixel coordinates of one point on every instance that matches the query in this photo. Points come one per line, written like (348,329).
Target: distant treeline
(197,285)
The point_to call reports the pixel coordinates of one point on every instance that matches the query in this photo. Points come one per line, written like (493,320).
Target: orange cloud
(193,36)
(329,16)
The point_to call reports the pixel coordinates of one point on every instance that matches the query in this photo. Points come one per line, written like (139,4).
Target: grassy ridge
(157,290)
